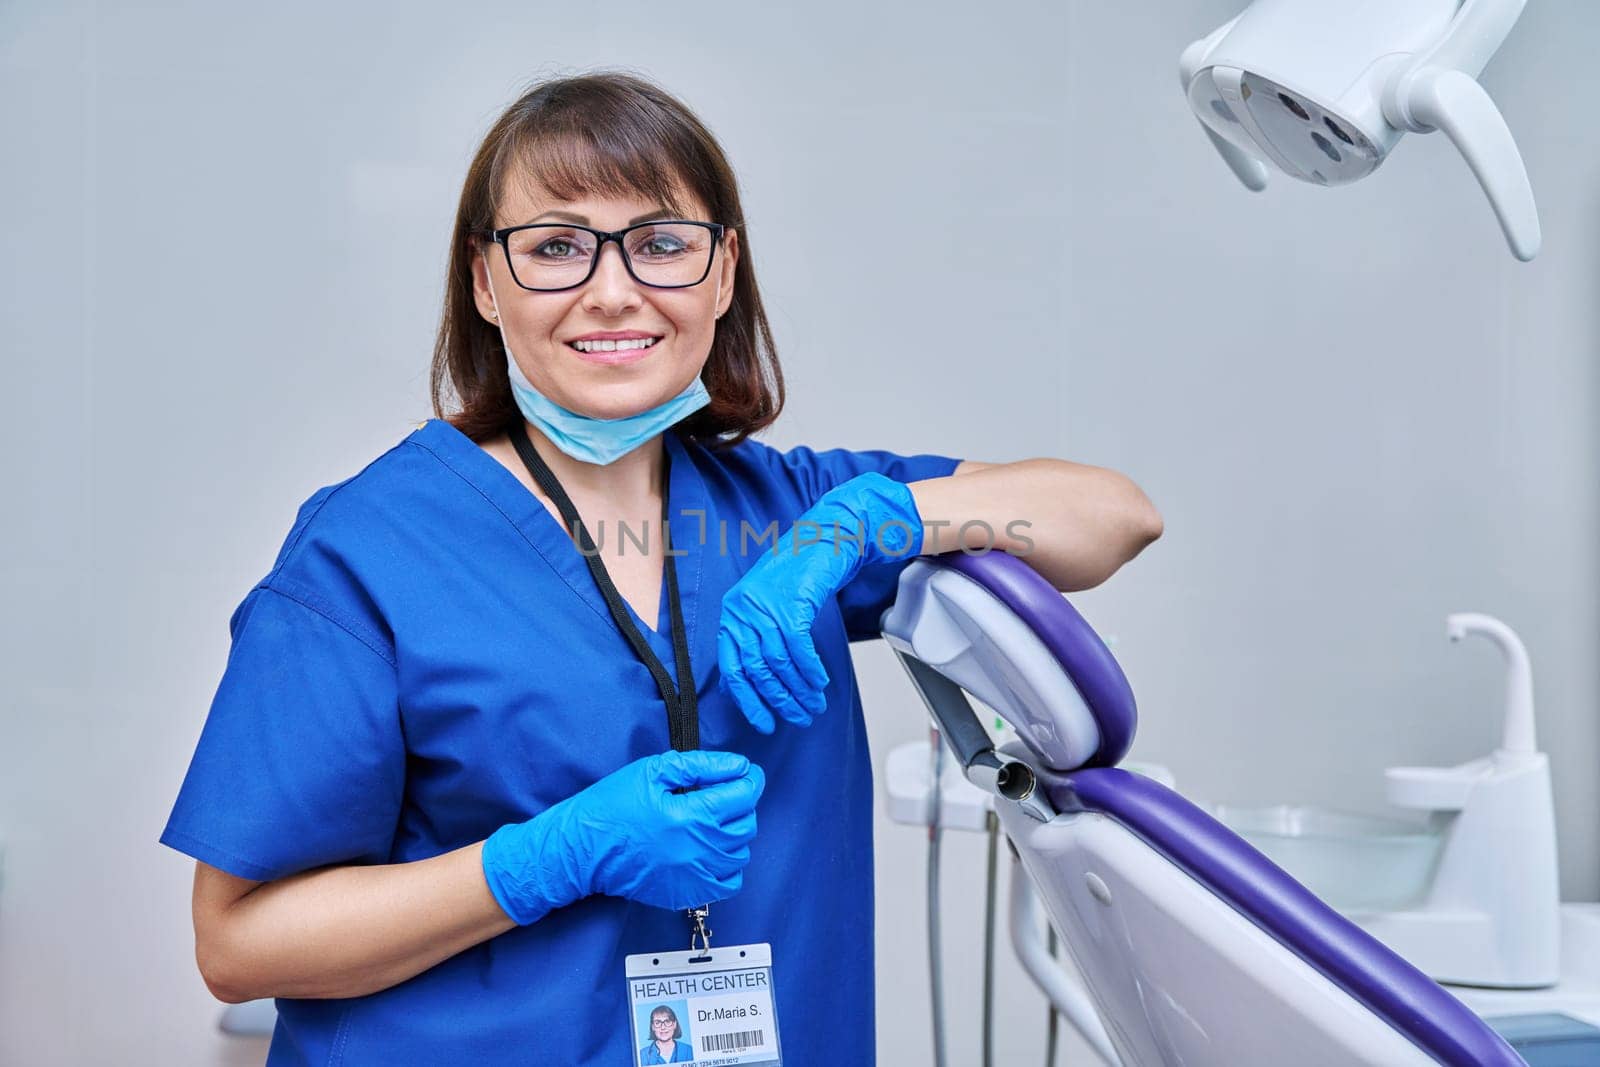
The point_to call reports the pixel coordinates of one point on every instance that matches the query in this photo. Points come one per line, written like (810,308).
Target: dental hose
(935,971)
(1050,1030)
(993,822)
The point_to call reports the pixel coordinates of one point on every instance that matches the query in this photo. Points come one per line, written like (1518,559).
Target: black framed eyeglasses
(548,257)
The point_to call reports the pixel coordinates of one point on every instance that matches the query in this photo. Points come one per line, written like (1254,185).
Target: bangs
(571,161)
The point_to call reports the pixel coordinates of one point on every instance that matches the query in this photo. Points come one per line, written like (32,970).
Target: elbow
(1140,527)
(1131,525)
(222,945)
(219,987)
(227,995)
(1151,527)
(220,969)
(1143,524)
(219,979)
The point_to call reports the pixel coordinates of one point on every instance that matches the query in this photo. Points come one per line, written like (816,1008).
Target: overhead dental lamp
(1324,89)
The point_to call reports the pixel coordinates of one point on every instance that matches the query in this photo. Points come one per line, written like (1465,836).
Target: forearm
(349,931)
(1075,524)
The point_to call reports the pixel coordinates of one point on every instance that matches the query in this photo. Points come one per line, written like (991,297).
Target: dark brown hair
(662,1009)
(602,134)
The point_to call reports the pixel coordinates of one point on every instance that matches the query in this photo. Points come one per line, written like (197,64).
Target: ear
(481,296)
(730,260)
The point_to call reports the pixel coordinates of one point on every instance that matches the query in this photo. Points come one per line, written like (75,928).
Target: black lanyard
(683,714)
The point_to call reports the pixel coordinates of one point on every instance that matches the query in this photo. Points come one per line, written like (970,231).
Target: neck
(633,479)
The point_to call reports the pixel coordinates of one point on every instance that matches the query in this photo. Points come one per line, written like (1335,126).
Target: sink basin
(1354,862)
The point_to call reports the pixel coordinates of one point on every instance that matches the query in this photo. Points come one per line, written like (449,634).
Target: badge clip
(699,936)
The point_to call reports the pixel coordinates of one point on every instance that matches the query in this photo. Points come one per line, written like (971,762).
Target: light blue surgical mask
(600,441)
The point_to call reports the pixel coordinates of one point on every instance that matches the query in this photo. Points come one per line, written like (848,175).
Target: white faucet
(1491,916)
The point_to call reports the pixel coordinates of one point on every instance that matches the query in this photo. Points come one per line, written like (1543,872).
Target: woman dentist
(477,740)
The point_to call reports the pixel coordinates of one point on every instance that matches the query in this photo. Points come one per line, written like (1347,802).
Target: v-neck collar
(686,503)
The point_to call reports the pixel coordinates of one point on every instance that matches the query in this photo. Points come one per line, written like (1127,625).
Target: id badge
(712,1008)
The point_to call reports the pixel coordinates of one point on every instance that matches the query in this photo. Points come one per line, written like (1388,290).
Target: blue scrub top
(680,1049)
(429,658)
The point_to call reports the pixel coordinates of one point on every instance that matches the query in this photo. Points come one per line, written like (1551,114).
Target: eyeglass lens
(555,256)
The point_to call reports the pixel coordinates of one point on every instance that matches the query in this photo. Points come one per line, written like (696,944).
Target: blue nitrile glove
(629,835)
(769,664)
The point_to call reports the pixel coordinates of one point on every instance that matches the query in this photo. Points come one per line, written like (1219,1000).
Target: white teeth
(614,346)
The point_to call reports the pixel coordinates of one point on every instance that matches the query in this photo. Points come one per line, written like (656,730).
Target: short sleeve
(301,761)
(864,599)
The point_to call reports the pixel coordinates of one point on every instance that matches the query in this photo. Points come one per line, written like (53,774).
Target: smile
(614,346)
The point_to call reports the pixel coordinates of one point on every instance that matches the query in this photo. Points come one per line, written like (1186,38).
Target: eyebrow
(582,220)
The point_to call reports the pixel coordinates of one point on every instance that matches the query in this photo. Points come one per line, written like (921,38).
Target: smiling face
(662,1026)
(541,327)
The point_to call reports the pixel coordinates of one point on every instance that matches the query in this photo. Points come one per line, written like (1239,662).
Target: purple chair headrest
(1082,655)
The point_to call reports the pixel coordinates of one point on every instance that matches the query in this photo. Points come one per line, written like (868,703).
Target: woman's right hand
(630,835)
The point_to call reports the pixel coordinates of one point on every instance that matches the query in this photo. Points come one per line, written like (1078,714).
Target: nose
(611,290)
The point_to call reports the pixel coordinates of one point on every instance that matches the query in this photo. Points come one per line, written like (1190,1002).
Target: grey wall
(224,239)
(1358,413)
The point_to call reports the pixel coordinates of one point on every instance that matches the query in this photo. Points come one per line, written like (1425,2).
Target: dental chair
(1194,948)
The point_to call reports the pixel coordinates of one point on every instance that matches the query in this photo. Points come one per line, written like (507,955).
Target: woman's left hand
(769,664)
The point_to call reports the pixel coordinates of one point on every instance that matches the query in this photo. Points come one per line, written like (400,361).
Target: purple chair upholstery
(1355,961)
(1412,1003)
(1088,663)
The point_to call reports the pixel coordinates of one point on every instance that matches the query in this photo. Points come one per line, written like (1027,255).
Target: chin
(618,403)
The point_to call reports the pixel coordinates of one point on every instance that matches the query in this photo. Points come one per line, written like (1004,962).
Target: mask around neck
(591,440)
